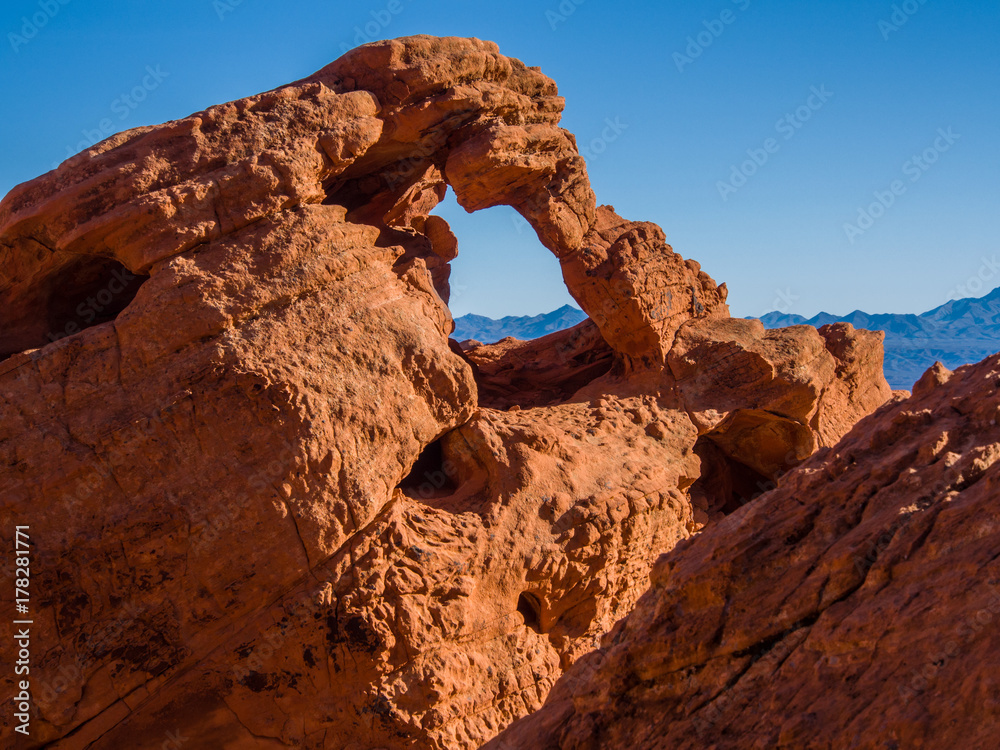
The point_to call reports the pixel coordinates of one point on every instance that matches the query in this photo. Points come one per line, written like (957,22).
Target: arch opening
(521,355)
(557,351)
(502,270)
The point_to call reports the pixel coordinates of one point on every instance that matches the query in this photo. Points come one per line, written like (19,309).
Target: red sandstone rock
(854,606)
(547,370)
(272,504)
(636,289)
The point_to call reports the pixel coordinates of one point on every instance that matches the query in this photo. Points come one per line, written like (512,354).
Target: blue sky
(755,132)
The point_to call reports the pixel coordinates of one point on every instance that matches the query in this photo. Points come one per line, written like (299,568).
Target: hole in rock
(89,292)
(504,282)
(431,476)
(492,271)
(448,476)
(725,484)
(84,293)
(530,609)
(502,269)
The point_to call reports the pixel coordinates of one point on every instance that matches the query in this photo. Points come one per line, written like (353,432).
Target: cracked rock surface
(272,505)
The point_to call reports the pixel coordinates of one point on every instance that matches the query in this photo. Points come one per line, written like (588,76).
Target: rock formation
(272,505)
(857,605)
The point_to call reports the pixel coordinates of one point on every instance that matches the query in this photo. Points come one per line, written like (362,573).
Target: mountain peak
(524,327)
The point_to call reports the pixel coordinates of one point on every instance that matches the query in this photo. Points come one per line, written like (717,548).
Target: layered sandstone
(272,504)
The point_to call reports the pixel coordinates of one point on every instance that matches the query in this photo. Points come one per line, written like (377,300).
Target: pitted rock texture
(856,605)
(272,504)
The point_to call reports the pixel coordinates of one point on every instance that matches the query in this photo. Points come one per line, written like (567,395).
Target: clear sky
(673,103)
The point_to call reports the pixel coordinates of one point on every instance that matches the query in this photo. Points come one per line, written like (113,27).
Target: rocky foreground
(857,605)
(272,504)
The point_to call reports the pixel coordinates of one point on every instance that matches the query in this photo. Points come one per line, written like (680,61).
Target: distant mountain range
(957,333)
(489,331)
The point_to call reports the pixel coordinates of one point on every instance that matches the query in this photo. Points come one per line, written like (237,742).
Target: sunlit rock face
(272,504)
(856,605)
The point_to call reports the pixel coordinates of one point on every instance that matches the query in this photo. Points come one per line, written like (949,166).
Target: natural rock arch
(222,465)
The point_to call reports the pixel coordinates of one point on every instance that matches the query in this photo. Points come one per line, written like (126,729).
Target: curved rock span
(272,505)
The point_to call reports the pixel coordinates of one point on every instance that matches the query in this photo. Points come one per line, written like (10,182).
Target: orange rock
(273,504)
(854,606)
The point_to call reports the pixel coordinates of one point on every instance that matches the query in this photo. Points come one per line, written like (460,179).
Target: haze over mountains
(958,332)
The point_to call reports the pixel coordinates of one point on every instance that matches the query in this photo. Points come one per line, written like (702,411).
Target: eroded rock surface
(857,605)
(272,504)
